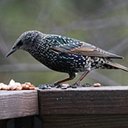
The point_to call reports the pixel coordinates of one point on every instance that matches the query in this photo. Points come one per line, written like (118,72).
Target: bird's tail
(113,65)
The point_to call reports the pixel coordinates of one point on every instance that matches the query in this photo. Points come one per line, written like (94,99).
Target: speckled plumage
(65,54)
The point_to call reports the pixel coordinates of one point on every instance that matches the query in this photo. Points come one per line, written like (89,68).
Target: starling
(64,54)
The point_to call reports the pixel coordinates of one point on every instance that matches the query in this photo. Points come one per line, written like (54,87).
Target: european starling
(65,54)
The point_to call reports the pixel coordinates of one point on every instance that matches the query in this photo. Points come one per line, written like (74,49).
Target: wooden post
(88,107)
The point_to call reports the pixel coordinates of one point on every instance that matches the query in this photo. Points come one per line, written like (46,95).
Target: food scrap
(97,85)
(17,86)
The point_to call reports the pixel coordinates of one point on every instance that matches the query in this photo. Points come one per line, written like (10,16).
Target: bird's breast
(64,62)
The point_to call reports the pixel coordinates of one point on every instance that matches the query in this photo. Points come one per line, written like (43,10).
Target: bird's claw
(62,86)
(57,85)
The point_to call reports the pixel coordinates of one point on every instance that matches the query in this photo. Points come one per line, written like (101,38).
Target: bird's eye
(20,43)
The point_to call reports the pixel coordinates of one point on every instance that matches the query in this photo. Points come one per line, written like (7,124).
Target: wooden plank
(87,100)
(85,121)
(14,104)
(89,107)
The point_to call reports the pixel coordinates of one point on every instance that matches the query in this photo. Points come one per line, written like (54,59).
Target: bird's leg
(81,78)
(71,76)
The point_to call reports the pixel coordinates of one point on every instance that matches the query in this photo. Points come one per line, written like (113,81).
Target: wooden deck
(88,107)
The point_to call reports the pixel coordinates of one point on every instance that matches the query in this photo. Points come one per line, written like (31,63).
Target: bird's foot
(62,86)
(56,85)
(65,86)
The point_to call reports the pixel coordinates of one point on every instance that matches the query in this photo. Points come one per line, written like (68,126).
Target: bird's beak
(11,51)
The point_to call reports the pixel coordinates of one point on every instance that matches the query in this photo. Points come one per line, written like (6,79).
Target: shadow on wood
(3,123)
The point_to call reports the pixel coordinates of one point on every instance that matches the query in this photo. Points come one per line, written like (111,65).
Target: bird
(64,54)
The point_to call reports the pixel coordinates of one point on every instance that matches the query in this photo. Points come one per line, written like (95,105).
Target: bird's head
(24,41)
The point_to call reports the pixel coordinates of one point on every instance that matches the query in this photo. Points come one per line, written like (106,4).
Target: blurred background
(103,23)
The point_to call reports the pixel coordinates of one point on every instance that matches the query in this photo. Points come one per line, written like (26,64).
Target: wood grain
(85,121)
(88,100)
(14,104)
(89,107)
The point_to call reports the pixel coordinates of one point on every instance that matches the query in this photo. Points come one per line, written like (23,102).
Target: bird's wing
(85,49)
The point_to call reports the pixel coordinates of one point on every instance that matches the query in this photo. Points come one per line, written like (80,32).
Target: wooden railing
(87,107)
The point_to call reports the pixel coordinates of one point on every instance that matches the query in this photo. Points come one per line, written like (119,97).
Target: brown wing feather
(85,49)
(116,65)
(90,50)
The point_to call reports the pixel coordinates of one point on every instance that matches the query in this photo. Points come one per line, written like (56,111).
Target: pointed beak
(11,51)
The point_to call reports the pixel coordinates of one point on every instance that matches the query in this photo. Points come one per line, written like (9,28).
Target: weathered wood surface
(90,107)
(89,100)
(14,104)
(85,121)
